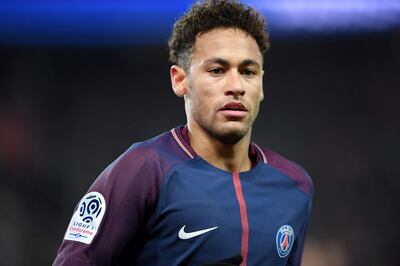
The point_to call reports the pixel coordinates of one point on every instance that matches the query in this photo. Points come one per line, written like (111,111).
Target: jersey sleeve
(114,213)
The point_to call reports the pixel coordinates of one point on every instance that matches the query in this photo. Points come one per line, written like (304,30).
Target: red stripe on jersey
(243,217)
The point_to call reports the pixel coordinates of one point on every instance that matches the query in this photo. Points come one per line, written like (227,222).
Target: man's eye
(249,72)
(216,71)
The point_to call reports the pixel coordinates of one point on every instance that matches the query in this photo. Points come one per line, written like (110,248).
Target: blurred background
(81,81)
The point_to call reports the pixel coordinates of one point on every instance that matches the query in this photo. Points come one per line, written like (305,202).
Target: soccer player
(202,193)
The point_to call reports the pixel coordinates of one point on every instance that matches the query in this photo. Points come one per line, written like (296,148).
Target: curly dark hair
(207,15)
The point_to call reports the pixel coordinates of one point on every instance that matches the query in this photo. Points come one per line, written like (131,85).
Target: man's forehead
(226,44)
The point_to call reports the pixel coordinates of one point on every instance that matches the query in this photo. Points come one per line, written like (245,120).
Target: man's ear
(262,87)
(262,95)
(179,80)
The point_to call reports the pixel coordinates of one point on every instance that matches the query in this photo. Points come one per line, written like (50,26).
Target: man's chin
(230,134)
(231,138)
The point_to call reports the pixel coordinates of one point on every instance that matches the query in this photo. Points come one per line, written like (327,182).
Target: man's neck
(229,157)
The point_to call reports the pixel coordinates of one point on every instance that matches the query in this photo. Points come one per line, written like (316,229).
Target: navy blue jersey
(161,204)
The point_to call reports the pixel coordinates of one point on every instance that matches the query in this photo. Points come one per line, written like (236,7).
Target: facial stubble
(222,134)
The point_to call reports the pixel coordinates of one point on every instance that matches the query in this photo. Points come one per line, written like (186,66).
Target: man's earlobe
(262,87)
(262,95)
(178,80)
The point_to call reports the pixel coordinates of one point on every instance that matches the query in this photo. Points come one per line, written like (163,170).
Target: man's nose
(234,84)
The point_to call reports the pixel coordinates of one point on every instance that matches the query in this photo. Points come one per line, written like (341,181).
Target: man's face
(224,84)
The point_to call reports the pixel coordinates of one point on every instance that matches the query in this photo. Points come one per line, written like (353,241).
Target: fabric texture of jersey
(168,206)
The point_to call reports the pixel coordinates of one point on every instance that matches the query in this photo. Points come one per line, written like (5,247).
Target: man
(200,194)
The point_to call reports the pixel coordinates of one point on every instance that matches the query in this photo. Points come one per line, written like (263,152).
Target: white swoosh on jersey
(183,235)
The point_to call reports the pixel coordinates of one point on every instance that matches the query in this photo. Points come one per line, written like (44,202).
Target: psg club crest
(284,240)
(87,218)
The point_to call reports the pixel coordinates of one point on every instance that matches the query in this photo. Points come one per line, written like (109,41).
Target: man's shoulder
(291,169)
(148,161)
(161,150)
(150,147)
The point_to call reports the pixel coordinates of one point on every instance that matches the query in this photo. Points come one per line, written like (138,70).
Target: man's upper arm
(129,188)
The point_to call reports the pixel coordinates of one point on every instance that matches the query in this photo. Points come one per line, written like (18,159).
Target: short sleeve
(129,188)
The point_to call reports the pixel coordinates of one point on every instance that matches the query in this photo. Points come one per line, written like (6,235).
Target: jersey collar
(181,136)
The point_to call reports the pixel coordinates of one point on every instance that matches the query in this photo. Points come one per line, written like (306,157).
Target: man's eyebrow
(224,62)
(216,60)
(247,62)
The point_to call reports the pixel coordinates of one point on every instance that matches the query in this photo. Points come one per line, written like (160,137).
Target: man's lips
(234,106)
(234,110)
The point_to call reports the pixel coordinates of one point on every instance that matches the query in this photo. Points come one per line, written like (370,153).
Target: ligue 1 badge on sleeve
(87,218)
(284,240)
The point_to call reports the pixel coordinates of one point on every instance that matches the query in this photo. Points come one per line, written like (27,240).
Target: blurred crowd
(331,104)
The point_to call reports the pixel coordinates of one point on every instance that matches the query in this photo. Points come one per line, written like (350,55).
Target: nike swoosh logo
(183,235)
